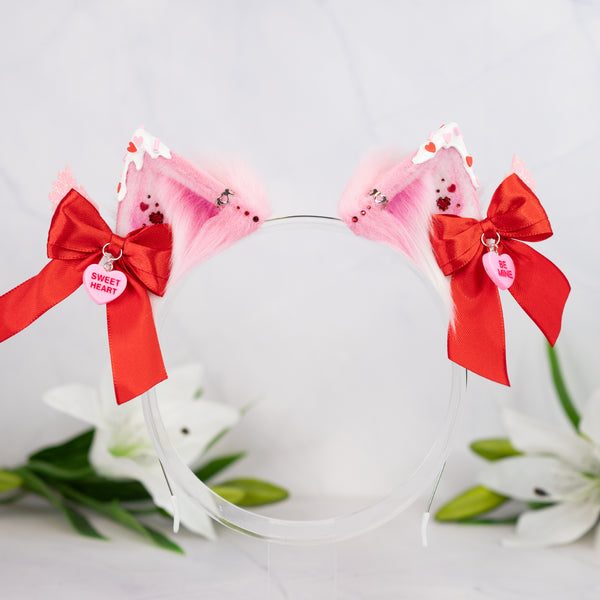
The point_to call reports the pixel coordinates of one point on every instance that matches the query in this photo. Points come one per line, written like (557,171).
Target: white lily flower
(122,448)
(558,467)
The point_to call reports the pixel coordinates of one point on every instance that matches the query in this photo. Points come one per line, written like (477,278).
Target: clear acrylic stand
(373,321)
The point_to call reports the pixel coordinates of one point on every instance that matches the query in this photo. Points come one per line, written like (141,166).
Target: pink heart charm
(103,286)
(138,140)
(500,269)
(447,137)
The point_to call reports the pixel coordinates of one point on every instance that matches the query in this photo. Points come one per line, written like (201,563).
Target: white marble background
(300,90)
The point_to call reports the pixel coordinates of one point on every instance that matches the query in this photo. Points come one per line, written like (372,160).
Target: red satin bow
(75,241)
(476,341)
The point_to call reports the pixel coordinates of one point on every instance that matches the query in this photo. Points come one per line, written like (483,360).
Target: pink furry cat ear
(393,201)
(206,212)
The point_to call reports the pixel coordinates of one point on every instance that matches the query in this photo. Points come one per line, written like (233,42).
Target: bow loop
(77,230)
(147,256)
(516,212)
(456,241)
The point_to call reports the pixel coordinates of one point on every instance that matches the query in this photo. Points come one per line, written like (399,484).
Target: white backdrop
(300,91)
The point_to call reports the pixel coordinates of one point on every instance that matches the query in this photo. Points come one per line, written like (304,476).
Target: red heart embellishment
(119,187)
(469,160)
(144,207)
(131,148)
(430,147)
(452,188)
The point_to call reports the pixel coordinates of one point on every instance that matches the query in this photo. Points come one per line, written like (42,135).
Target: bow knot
(79,237)
(476,338)
(489,230)
(115,245)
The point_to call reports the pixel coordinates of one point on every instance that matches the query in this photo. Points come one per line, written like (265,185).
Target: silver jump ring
(108,255)
(490,244)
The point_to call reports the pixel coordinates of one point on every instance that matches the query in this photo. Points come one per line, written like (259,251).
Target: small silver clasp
(378,197)
(490,243)
(224,197)
(108,259)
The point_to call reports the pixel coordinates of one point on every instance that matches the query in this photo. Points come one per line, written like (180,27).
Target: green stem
(561,389)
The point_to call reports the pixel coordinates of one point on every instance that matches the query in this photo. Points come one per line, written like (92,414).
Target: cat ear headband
(427,207)
(173,215)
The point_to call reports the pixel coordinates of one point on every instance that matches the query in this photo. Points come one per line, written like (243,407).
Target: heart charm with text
(103,286)
(500,268)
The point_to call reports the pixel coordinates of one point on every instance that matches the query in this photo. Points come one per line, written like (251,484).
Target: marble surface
(300,91)
(40,558)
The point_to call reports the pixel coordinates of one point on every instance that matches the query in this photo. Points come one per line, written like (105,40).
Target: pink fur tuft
(65,181)
(518,167)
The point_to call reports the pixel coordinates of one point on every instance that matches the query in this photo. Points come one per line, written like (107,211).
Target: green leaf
(114,511)
(256,492)
(9,481)
(211,468)
(494,448)
(216,438)
(561,388)
(78,521)
(106,490)
(59,472)
(539,505)
(232,494)
(70,455)
(473,502)
(506,521)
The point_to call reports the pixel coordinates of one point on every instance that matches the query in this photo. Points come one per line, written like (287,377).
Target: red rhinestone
(363,212)
(255,219)
(369,207)
(354,219)
(246,212)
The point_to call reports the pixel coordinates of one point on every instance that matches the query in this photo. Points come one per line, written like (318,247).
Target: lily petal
(181,386)
(191,430)
(590,418)
(531,437)
(560,524)
(111,466)
(150,475)
(534,478)
(77,400)
(192,516)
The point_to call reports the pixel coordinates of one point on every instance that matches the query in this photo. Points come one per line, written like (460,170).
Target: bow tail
(136,360)
(22,305)
(476,338)
(540,288)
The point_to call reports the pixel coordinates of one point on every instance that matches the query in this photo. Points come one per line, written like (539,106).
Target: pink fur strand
(65,181)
